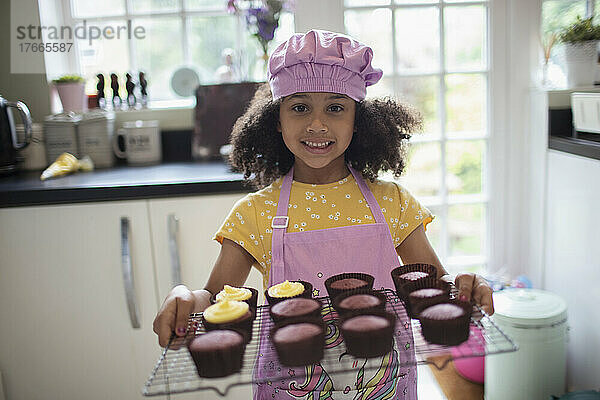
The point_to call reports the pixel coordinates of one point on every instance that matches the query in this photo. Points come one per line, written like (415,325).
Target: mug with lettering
(142,142)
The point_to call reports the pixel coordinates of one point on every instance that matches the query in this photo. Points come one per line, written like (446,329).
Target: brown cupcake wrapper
(333,293)
(371,343)
(219,363)
(303,352)
(419,283)
(314,314)
(449,332)
(308,288)
(252,301)
(243,326)
(415,306)
(344,311)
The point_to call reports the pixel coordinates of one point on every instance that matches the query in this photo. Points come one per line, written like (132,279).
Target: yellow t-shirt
(313,207)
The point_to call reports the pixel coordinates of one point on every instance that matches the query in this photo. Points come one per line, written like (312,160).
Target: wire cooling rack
(175,372)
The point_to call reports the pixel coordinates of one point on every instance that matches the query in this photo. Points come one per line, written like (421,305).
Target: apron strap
(368,195)
(279,225)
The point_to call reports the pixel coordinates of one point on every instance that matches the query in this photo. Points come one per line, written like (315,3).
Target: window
(178,33)
(435,56)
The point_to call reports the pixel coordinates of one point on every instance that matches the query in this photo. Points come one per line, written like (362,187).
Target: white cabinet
(182,232)
(66,330)
(188,243)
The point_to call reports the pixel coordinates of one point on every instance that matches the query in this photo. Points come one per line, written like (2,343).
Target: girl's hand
(472,286)
(175,311)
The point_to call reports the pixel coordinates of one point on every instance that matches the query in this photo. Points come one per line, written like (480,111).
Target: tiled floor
(427,386)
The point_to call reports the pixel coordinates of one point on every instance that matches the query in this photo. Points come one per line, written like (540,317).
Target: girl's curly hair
(382,129)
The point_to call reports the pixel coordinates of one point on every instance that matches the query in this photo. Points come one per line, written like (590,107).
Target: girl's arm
(232,267)
(417,249)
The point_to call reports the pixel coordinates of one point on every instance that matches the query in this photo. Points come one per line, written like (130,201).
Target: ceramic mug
(142,142)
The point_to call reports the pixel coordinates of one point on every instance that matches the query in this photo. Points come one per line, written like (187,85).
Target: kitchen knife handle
(128,274)
(173,225)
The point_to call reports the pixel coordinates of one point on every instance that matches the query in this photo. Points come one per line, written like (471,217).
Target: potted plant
(71,90)
(580,51)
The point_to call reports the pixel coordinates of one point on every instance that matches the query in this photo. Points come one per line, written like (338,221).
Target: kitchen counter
(121,183)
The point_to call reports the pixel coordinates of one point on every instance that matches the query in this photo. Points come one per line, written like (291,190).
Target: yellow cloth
(315,207)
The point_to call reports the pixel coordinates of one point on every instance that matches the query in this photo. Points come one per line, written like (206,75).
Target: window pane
(89,8)
(465,37)
(373,27)
(465,103)
(145,6)
(557,14)
(209,36)
(383,88)
(466,229)
(434,230)
(464,166)
(422,92)
(417,39)
(159,54)
(205,5)
(358,3)
(104,56)
(423,175)
(415,1)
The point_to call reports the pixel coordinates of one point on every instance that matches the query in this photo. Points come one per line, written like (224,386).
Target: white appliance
(586,111)
(537,321)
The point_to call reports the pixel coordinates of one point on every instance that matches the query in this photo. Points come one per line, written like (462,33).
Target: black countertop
(121,183)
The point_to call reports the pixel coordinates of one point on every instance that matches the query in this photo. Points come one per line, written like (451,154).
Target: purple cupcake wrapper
(305,352)
(448,332)
(372,343)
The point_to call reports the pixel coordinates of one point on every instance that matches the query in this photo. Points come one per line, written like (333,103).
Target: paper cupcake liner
(252,301)
(415,305)
(333,293)
(419,283)
(308,288)
(302,352)
(343,311)
(369,343)
(219,362)
(448,331)
(313,314)
(243,325)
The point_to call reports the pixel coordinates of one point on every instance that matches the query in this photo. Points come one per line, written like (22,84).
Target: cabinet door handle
(128,274)
(173,224)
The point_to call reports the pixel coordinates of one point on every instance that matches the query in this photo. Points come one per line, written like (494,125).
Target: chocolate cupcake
(420,275)
(338,284)
(229,314)
(246,294)
(368,335)
(362,300)
(446,323)
(295,308)
(299,341)
(217,353)
(288,290)
(419,299)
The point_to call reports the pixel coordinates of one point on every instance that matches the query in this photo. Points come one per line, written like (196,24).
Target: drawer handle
(173,224)
(128,274)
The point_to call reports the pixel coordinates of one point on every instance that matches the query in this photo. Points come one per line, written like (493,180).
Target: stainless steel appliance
(9,144)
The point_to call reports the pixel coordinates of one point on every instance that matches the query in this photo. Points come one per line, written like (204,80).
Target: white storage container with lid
(95,134)
(537,322)
(60,132)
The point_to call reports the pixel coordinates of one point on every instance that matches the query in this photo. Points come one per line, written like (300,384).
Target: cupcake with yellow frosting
(229,314)
(288,290)
(246,294)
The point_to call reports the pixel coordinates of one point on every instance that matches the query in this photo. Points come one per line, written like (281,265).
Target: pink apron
(314,256)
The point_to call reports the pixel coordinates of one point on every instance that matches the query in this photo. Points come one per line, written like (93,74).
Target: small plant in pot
(71,90)
(580,51)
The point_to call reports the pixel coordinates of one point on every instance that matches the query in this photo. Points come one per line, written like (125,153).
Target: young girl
(316,146)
